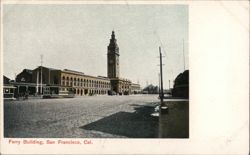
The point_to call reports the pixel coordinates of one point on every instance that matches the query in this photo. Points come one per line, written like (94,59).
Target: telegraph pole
(41,88)
(162,95)
(183,54)
(159,89)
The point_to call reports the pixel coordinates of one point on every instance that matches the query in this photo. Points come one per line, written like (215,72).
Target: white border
(219,103)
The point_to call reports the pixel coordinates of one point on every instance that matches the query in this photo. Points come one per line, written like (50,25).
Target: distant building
(151,89)
(135,88)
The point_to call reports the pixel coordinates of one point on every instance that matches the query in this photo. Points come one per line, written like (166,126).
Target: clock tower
(113,58)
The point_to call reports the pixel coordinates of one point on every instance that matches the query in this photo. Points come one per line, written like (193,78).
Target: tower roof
(113,35)
(113,45)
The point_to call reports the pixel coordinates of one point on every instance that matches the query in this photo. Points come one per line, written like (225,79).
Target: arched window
(67,81)
(63,81)
(71,81)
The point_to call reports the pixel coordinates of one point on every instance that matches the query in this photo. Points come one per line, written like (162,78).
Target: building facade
(81,84)
(64,82)
(24,83)
(135,88)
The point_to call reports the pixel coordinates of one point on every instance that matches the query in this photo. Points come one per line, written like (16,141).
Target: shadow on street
(139,124)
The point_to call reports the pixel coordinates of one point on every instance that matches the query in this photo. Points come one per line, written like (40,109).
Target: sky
(76,37)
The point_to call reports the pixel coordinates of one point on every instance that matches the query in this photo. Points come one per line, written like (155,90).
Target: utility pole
(169,84)
(41,88)
(37,81)
(183,54)
(159,89)
(162,95)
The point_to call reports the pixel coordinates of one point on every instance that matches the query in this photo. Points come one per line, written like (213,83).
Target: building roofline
(73,71)
(85,75)
(48,68)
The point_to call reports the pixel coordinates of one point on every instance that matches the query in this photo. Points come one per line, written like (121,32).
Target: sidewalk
(174,119)
(30,97)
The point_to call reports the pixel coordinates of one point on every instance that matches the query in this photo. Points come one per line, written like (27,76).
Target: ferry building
(45,80)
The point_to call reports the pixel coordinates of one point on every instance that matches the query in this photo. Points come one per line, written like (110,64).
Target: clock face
(111,61)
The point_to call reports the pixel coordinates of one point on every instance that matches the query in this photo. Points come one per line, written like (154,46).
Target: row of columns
(85,84)
(82,92)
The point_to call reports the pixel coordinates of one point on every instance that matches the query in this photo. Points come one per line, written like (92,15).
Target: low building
(8,89)
(135,88)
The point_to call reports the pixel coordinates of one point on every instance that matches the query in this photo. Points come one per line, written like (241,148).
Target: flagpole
(41,88)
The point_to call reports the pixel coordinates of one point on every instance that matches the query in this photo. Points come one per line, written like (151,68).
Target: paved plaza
(82,117)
